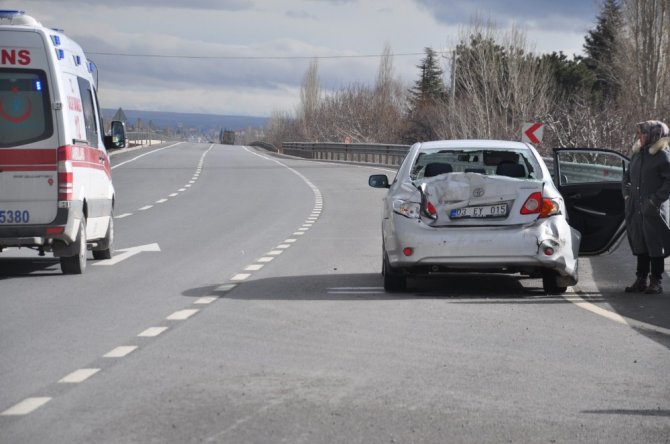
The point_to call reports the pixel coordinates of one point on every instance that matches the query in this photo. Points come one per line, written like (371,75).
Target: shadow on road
(458,288)
(29,267)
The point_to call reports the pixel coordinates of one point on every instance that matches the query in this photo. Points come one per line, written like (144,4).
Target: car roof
(474,143)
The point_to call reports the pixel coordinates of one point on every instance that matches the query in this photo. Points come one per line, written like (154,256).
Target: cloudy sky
(248,57)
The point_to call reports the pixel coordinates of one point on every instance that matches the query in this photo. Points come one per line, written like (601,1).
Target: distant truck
(227,137)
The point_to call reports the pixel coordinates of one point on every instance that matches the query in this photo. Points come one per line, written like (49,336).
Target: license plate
(498,210)
(14,216)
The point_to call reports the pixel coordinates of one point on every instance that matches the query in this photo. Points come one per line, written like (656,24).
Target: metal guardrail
(394,154)
(347,152)
(575,173)
(136,138)
(265,146)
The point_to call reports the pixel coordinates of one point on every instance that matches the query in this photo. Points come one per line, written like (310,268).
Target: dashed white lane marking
(160,201)
(274,253)
(283,246)
(181,315)
(152,332)
(290,241)
(26,406)
(265,259)
(240,277)
(120,352)
(206,300)
(226,287)
(145,154)
(356,290)
(78,376)
(254,267)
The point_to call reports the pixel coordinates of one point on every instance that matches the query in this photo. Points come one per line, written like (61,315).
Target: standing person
(646,189)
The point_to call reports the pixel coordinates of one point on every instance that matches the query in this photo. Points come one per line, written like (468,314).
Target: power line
(177,56)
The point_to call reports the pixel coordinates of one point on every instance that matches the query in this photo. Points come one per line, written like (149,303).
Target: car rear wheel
(393,280)
(549,283)
(76,264)
(105,247)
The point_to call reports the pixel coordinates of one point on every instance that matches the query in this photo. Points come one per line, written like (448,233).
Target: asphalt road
(245,304)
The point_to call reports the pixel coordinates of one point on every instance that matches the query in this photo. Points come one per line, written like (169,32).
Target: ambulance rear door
(28,131)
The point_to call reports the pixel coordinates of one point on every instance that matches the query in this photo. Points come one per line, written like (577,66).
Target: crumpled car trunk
(477,199)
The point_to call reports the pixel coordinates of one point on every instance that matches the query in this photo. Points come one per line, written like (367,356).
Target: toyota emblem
(478,192)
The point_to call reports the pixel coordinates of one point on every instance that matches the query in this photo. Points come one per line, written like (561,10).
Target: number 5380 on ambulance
(56,192)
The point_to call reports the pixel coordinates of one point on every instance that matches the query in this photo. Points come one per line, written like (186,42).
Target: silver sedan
(476,206)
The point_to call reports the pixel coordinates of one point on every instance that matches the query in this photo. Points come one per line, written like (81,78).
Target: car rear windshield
(518,163)
(25,114)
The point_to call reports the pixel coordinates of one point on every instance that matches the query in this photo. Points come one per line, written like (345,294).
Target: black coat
(646,189)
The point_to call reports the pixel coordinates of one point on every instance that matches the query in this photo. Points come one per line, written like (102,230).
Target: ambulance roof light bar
(17,17)
(10,13)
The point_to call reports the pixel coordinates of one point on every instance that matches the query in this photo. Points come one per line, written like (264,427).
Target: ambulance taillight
(65,186)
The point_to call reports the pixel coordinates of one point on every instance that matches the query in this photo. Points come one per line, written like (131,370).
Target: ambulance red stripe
(45,159)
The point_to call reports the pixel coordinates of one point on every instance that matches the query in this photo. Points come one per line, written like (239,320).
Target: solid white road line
(579,302)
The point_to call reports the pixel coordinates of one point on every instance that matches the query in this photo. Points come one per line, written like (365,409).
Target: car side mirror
(379,181)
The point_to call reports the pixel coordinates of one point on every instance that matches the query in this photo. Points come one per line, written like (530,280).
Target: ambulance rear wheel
(76,264)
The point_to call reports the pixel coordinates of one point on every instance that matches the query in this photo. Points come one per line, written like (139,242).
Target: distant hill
(202,122)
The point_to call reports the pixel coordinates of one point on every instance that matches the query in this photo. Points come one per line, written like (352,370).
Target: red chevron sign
(532,132)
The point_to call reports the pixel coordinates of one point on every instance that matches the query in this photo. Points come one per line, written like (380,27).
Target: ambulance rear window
(25,114)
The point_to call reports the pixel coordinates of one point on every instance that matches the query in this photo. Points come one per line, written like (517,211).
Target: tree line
(494,84)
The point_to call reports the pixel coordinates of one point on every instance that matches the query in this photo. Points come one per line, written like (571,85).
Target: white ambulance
(56,192)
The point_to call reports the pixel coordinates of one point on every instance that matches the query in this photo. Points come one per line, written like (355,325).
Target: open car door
(590,182)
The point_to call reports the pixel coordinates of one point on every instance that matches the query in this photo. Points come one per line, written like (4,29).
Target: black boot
(639,286)
(654,286)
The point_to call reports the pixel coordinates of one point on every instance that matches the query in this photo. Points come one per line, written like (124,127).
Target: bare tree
(645,54)
(499,83)
(309,98)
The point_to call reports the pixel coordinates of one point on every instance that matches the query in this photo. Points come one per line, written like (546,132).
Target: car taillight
(65,185)
(430,209)
(543,206)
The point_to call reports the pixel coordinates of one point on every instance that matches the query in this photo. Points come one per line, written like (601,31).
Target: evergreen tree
(574,79)
(429,88)
(600,48)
